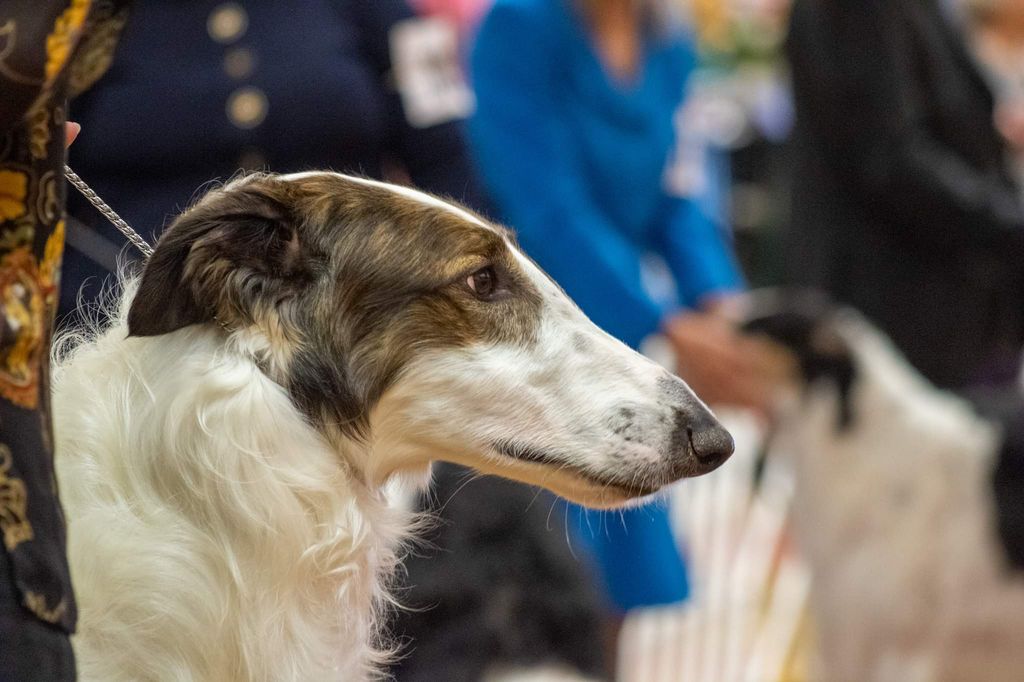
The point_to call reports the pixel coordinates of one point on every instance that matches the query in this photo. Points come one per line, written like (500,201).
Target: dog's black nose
(711,444)
(700,443)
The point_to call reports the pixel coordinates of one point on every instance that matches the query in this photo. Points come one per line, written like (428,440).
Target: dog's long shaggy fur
(294,344)
(895,514)
(209,523)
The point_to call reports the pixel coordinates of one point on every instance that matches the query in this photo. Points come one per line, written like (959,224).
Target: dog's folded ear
(231,255)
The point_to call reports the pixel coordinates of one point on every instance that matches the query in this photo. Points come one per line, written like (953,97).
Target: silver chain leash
(118,222)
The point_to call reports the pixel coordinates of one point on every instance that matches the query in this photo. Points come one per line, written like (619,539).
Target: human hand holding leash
(721,365)
(71,131)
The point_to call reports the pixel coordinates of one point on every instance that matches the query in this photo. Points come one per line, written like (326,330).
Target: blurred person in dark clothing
(903,203)
(360,86)
(49,51)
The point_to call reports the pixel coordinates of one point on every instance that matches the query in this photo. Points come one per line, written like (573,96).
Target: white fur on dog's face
(370,318)
(577,411)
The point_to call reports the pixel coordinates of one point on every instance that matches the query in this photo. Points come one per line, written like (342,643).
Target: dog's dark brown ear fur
(223,258)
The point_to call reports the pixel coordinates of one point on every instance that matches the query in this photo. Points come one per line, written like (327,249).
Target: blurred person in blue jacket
(574,135)
(360,86)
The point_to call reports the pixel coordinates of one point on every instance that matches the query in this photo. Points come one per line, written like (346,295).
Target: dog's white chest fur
(213,535)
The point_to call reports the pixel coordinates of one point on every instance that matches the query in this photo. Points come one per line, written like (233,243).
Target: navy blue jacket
(202,88)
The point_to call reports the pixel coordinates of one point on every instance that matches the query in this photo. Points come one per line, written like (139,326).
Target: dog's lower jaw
(585,490)
(575,486)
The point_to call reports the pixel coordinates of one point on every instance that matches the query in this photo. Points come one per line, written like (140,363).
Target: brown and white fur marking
(294,343)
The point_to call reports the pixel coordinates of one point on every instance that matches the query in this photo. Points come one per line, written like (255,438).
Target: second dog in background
(894,508)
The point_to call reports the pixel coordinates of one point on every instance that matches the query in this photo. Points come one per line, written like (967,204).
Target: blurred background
(667,161)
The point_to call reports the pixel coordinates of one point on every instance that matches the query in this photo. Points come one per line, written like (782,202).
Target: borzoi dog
(295,343)
(894,512)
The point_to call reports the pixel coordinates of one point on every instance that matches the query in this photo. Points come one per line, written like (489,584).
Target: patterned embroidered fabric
(49,50)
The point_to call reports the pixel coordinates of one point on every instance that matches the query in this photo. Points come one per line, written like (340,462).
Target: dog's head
(407,329)
(808,327)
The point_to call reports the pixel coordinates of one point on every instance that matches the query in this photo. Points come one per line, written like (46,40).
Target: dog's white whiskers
(568,533)
(533,499)
(469,477)
(547,519)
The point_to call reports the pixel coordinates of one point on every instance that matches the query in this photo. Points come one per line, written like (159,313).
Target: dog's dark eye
(483,282)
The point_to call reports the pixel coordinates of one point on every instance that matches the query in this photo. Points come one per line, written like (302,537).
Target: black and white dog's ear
(802,322)
(233,254)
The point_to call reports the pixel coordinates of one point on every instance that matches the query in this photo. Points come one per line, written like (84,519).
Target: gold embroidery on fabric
(8,38)
(49,269)
(66,30)
(39,129)
(21,327)
(36,603)
(13,503)
(13,189)
(97,52)
(48,199)
(20,235)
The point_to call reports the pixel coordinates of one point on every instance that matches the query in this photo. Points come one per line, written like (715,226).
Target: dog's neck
(244,526)
(908,444)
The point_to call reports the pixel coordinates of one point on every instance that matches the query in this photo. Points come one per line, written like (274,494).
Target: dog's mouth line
(525,453)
